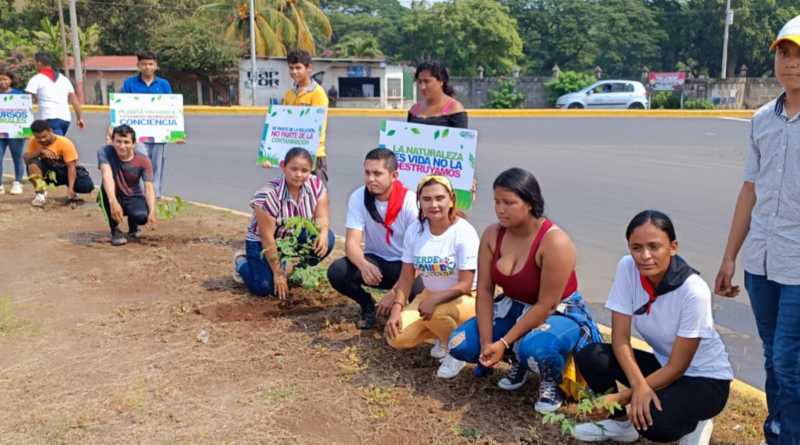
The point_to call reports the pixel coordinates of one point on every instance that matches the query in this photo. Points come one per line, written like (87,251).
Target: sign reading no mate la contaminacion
(287,127)
(16,116)
(156,118)
(431,150)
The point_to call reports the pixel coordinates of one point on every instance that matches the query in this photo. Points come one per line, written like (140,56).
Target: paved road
(595,173)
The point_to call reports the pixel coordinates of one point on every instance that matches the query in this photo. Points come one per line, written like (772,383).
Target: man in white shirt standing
(378,214)
(54,93)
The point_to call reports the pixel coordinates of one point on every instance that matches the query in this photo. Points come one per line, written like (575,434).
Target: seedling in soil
(588,402)
(168,209)
(310,277)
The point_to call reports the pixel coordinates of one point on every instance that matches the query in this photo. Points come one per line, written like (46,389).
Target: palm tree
(303,13)
(49,40)
(274,31)
(359,47)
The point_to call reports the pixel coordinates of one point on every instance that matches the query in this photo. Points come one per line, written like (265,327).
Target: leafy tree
(351,47)
(629,37)
(568,82)
(305,15)
(666,100)
(274,31)
(20,65)
(196,47)
(464,34)
(48,39)
(125,26)
(505,97)
(382,19)
(698,104)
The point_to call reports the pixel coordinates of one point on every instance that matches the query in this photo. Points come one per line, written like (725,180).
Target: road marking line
(735,119)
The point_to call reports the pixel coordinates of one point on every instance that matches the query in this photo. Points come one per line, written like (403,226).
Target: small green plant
(289,247)
(505,97)
(666,100)
(11,326)
(169,209)
(588,402)
(698,104)
(41,183)
(568,82)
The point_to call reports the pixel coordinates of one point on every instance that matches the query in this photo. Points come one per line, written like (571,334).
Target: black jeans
(684,403)
(83,182)
(346,279)
(134,207)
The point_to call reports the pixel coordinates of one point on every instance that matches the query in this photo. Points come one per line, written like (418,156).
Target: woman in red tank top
(540,315)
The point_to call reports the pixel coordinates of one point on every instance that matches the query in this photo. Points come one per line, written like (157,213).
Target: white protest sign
(430,150)
(156,118)
(16,116)
(288,127)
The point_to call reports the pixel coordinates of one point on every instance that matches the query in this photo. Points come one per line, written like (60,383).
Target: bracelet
(504,342)
(401,304)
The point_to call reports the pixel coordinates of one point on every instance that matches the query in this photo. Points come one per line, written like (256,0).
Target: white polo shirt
(53,97)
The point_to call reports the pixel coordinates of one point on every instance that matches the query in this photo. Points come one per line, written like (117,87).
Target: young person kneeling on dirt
(296,193)
(121,194)
(378,214)
(53,159)
(443,248)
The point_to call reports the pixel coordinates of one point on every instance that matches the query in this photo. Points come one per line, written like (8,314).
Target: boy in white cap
(767,222)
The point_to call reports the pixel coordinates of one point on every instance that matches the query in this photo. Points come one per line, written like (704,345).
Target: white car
(607,94)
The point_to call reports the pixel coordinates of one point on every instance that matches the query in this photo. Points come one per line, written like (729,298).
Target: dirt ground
(154,343)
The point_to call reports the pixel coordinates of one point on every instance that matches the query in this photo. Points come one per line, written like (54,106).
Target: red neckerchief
(677,273)
(651,292)
(396,200)
(49,73)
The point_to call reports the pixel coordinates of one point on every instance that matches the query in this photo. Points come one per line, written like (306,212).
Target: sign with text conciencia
(287,127)
(430,150)
(16,116)
(156,118)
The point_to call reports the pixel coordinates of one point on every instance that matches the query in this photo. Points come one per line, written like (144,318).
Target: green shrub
(567,82)
(698,104)
(505,97)
(666,100)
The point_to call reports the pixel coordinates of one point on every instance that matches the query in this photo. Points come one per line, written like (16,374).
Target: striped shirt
(772,248)
(275,199)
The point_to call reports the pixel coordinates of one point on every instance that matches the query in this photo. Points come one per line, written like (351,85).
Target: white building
(361,83)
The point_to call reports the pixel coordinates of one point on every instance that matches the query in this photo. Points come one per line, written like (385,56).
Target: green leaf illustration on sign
(153,99)
(445,133)
(383,125)
(135,97)
(415,130)
(119,100)
(472,161)
(436,135)
(159,98)
(390,133)
(289,111)
(274,114)
(5,98)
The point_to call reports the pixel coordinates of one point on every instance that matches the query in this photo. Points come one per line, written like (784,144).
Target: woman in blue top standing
(17,146)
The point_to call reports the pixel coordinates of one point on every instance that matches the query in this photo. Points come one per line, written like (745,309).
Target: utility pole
(63,39)
(254,75)
(728,23)
(76,50)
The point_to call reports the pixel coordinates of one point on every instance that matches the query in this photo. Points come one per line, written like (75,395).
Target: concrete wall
(274,80)
(474,92)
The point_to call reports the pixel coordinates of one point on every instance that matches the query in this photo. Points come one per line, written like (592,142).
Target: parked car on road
(607,94)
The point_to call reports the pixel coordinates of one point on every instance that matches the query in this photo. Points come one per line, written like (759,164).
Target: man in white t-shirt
(54,93)
(378,214)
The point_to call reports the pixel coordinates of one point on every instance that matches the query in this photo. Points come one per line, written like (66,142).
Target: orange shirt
(62,147)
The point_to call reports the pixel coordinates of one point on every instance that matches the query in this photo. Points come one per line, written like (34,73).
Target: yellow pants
(445,320)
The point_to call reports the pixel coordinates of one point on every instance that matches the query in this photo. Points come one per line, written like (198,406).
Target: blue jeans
(257,274)
(777,311)
(541,351)
(17,147)
(157,155)
(59,126)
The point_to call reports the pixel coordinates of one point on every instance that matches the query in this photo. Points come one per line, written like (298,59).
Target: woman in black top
(438,106)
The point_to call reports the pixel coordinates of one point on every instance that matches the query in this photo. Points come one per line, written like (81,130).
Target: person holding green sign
(16,146)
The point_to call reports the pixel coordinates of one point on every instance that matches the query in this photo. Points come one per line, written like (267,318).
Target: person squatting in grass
(442,247)
(675,391)
(296,193)
(124,171)
(378,214)
(540,315)
(52,159)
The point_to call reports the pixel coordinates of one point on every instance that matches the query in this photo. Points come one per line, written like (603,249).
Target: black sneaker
(117,238)
(367,318)
(135,232)
(515,379)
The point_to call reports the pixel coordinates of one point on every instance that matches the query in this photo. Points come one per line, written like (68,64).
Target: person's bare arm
(150,198)
(394,326)
(76,105)
(72,176)
(322,219)
(464,286)
(266,231)
(484,303)
(369,272)
(110,189)
(740,227)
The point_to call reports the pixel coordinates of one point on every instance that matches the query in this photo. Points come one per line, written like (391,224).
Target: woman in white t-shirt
(443,248)
(676,390)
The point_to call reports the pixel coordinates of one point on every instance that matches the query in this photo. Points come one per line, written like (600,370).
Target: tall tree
(274,32)
(305,15)
(382,19)
(356,47)
(195,47)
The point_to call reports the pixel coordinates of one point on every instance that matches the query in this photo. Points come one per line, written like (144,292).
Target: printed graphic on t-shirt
(435,266)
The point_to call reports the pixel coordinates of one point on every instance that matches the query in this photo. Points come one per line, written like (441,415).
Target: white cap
(790,31)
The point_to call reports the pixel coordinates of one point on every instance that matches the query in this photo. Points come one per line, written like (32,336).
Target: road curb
(736,385)
(544,113)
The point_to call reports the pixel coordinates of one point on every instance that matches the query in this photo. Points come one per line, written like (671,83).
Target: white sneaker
(238,254)
(2,190)
(16,189)
(39,200)
(550,397)
(450,367)
(608,429)
(438,349)
(701,435)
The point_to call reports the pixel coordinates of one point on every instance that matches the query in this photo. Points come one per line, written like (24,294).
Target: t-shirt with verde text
(128,175)
(684,312)
(438,259)
(358,218)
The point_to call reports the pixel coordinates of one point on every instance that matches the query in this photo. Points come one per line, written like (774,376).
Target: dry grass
(117,358)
